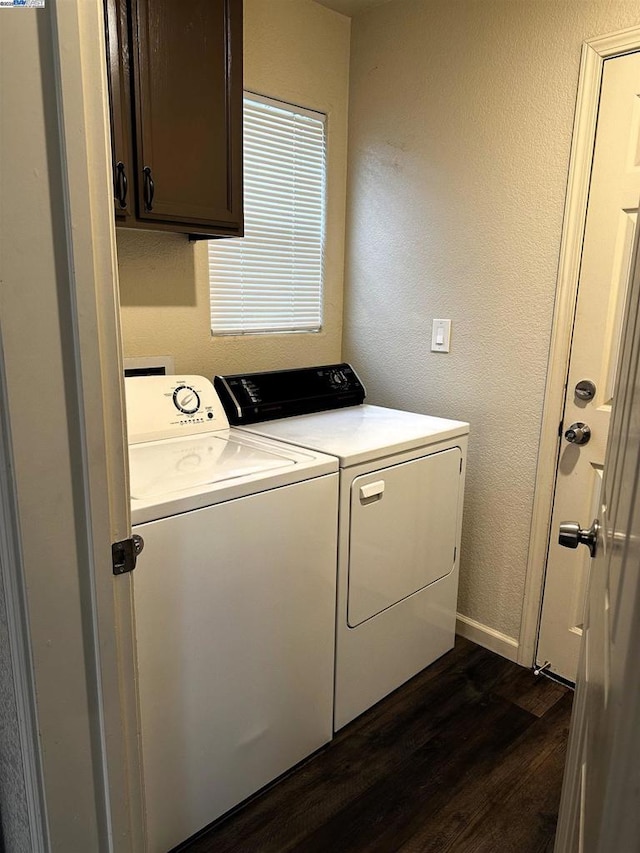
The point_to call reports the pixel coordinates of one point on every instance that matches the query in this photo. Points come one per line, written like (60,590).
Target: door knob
(578,433)
(138,543)
(571,535)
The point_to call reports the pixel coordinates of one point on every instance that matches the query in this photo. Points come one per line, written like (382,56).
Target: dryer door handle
(372,490)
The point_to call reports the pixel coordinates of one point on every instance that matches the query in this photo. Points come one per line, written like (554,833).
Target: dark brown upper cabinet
(175,77)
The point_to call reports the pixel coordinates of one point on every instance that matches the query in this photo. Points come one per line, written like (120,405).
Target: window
(271,279)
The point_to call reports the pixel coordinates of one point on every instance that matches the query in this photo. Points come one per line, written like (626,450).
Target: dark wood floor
(466,757)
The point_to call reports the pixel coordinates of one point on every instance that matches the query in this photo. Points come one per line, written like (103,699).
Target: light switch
(441,336)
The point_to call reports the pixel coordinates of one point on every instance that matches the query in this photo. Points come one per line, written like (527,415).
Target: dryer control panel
(249,398)
(171,406)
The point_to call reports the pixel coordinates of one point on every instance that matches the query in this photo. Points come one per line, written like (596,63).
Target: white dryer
(234,597)
(401,495)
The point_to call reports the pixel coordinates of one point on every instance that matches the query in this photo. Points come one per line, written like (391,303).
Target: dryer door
(404,521)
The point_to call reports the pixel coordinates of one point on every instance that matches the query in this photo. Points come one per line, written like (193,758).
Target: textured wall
(460,131)
(298,51)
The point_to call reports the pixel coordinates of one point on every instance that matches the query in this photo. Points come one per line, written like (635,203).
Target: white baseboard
(487,637)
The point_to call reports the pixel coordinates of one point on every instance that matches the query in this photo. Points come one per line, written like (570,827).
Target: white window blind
(271,279)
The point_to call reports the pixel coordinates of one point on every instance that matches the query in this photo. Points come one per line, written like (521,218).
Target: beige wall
(298,51)
(460,131)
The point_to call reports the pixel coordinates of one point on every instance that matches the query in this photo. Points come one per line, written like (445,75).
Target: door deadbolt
(585,390)
(571,535)
(578,433)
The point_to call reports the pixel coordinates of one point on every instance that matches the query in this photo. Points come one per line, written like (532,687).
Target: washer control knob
(186,400)
(337,378)
(578,433)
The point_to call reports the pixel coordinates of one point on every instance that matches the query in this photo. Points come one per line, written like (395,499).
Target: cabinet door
(188,111)
(118,58)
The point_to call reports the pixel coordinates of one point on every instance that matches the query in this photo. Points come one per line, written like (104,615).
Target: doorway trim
(594,54)
(96,386)
(62,374)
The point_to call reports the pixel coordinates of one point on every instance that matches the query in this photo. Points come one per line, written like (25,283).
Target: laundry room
(448,148)
(449,133)
(460,153)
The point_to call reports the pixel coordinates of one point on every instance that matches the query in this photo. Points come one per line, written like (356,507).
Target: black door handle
(149,189)
(121,184)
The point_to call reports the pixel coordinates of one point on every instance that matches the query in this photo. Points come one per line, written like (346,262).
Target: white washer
(401,495)
(234,598)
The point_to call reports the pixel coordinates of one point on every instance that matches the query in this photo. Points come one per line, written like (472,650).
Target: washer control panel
(171,406)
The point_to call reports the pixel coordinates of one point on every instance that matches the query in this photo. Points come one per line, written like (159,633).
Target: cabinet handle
(121,184)
(149,189)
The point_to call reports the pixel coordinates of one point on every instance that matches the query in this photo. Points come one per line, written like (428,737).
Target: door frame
(80,62)
(594,53)
(65,74)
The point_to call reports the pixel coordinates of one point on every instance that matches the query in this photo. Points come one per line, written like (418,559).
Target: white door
(599,807)
(610,225)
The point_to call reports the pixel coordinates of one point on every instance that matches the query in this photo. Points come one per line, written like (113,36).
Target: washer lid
(177,475)
(361,433)
(161,467)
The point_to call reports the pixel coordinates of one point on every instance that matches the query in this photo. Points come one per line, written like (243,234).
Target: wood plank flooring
(467,757)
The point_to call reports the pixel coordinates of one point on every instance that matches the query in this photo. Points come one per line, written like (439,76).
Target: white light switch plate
(441,336)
